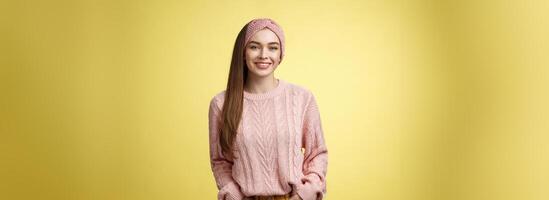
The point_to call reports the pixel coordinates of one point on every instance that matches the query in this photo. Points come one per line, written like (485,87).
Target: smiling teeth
(263,65)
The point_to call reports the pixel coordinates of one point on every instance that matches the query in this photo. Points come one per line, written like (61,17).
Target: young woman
(266,139)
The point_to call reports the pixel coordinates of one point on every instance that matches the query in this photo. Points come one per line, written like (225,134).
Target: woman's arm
(221,166)
(315,161)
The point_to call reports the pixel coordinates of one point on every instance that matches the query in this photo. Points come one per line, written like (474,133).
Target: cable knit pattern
(269,160)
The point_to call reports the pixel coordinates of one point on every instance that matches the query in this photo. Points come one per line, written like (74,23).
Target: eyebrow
(268,44)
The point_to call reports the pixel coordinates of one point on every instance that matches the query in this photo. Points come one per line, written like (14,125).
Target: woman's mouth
(262,65)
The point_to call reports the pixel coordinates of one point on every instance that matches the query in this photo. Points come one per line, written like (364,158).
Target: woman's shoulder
(218,99)
(299,90)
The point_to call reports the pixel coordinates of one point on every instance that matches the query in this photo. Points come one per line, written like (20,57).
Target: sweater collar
(271,93)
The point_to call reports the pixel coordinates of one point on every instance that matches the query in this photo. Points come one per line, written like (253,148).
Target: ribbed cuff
(230,192)
(309,190)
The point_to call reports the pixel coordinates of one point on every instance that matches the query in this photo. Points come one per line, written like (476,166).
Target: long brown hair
(234,96)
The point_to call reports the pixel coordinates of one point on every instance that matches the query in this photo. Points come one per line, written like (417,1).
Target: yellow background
(418,99)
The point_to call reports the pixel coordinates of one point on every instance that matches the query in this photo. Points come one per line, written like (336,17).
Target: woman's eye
(253,47)
(274,48)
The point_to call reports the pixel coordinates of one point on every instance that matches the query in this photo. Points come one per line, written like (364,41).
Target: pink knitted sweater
(279,146)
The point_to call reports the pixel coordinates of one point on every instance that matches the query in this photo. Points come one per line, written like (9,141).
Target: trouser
(279,197)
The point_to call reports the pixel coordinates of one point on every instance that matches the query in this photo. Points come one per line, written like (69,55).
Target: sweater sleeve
(315,162)
(221,166)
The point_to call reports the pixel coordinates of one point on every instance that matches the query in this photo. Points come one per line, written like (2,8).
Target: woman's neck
(260,85)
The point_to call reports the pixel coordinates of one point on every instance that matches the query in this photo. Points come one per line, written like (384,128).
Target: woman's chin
(261,73)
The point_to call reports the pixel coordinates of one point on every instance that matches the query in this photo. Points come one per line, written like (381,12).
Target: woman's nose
(263,53)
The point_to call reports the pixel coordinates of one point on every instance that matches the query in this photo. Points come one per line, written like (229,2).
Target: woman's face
(262,53)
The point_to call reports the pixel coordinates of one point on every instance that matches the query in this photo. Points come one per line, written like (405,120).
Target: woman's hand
(295,197)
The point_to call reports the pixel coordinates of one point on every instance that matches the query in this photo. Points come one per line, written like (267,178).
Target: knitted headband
(258,24)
